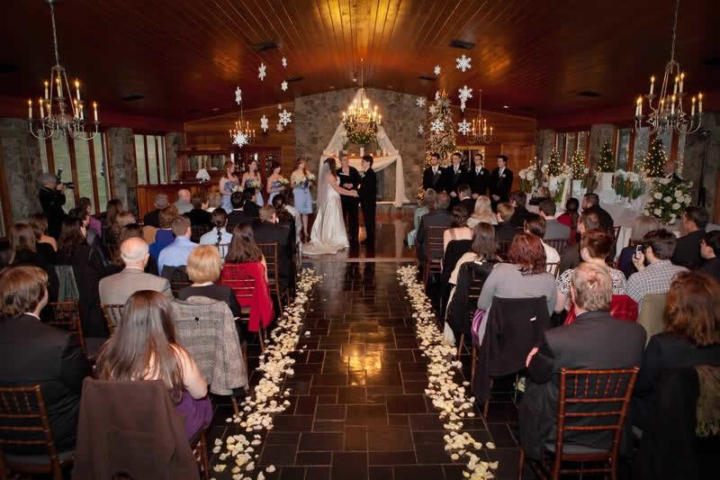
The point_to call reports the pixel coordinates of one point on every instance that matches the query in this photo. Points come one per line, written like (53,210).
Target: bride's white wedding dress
(328,233)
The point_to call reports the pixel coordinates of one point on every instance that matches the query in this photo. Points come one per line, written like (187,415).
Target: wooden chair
(616,233)
(270,252)
(200,451)
(178,280)
(243,285)
(559,244)
(66,315)
(553,268)
(433,252)
(149,233)
(474,290)
(23,416)
(113,315)
(608,392)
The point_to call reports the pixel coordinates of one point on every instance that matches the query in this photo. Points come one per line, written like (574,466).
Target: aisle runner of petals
(267,399)
(447,395)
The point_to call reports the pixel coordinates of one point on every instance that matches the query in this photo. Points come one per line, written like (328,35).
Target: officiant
(349,178)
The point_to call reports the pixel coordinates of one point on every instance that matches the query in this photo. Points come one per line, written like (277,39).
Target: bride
(328,231)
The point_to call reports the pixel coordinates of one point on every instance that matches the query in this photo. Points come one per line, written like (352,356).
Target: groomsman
(454,177)
(501,181)
(478,177)
(349,178)
(368,199)
(433,175)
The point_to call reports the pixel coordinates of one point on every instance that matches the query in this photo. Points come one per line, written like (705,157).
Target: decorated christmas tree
(440,137)
(606,163)
(577,164)
(554,166)
(655,159)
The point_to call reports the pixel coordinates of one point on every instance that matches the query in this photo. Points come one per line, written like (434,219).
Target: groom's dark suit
(434,181)
(368,194)
(350,204)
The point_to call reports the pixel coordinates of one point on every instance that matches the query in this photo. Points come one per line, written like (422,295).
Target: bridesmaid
(300,182)
(252,178)
(227,183)
(274,182)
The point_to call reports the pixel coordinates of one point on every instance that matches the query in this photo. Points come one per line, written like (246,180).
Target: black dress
(455,249)
(38,259)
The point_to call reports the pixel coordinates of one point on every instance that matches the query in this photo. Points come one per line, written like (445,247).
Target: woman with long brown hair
(275,182)
(252,178)
(227,184)
(23,251)
(300,181)
(144,347)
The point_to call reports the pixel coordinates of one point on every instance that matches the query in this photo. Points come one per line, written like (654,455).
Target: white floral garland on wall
(268,398)
(447,395)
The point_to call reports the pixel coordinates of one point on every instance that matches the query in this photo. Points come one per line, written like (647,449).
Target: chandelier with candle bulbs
(667,113)
(61,110)
(241,133)
(479,131)
(361,121)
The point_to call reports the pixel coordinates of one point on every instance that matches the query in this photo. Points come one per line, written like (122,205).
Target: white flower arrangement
(668,198)
(448,395)
(283,181)
(202,175)
(628,184)
(303,180)
(252,183)
(528,178)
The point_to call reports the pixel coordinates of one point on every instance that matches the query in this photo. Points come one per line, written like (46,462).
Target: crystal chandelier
(667,113)
(479,130)
(63,114)
(241,134)
(361,121)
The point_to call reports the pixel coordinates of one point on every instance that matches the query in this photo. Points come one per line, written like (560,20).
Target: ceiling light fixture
(479,132)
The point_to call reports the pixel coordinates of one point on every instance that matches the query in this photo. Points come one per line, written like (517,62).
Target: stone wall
(121,150)
(544,144)
(703,146)
(599,134)
(20,154)
(174,141)
(317,117)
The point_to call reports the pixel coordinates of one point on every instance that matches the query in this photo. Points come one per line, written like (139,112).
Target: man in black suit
(454,177)
(368,199)
(349,179)
(478,177)
(250,208)
(52,198)
(466,200)
(268,231)
(152,218)
(687,250)
(518,200)
(32,352)
(504,230)
(501,180)
(591,203)
(594,341)
(237,216)
(198,215)
(710,251)
(433,175)
(437,217)
(670,171)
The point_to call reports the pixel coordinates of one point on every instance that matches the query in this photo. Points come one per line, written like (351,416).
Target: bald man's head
(134,252)
(184,194)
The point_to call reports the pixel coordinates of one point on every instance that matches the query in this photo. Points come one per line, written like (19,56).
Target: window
(622,148)
(63,167)
(569,142)
(150,159)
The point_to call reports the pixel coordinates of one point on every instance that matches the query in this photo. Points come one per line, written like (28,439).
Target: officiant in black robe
(433,175)
(368,199)
(349,178)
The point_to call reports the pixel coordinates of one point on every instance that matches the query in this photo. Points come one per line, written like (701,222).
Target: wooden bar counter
(146,193)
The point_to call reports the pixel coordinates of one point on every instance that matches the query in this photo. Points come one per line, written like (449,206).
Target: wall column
(545,143)
(20,153)
(599,134)
(174,141)
(121,151)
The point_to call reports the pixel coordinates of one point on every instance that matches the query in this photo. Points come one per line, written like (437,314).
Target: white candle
(692,110)
(82,113)
(677,78)
(42,109)
(46,90)
(672,106)
(652,84)
(77,89)
(682,80)
(57,84)
(30,109)
(699,102)
(95,111)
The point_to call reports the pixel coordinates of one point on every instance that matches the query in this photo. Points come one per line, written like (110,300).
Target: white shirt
(552,255)
(435,169)
(501,171)
(478,170)
(457,169)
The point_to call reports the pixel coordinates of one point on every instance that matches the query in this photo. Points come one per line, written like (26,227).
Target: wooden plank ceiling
(185,57)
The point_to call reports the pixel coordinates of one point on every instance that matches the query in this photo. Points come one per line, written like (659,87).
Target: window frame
(157,165)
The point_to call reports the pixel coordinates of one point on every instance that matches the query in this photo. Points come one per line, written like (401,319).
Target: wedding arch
(389,157)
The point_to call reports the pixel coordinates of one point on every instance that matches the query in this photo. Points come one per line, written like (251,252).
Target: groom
(349,178)
(368,194)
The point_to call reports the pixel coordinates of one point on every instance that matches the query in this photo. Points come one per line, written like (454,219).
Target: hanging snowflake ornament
(437,94)
(283,86)
(240,139)
(464,127)
(437,126)
(421,130)
(262,72)
(284,62)
(436,70)
(465,93)
(238,96)
(264,123)
(420,102)
(285,117)
(279,106)
(463,63)
(433,109)
(279,127)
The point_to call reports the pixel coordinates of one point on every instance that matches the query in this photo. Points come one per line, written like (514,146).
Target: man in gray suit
(116,289)
(554,230)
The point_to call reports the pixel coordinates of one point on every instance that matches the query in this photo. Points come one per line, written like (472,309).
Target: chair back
(270,252)
(434,244)
(24,422)
(239,280)
(113,314)
(179,279)
(652,312)
(68,289)
(197,231)
(222,250)
(503,247)
(559,244)
(553,268)
(616,233)
(66,315)
(149,233)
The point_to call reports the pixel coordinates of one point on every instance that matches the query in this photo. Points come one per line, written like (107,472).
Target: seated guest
(524,275)
(152,218)
(116,289)
(542,194)
(32,352)
(642,225)
(113,208)
(424,206)
(594,341)
(95,224)
(218,236)
(122,219)
(459,229)
(204,268)
(198,215)
(505,231)
(591,203)
(176,254)
(144,347)
(268,231)
(286,217)
(535,225)
(39,224)
(438,216)
(656,277)
(164,236)
(290,207)
(570,217)
(90,235)
(183,204)
(595,247)
(554,230)
(238,215)
(691,337)
(482,213)
(687,251)
(466,200)
(571,258)
(133,231)
(23,251)
(710,250)
(250,208)
(518,200)
(214,201)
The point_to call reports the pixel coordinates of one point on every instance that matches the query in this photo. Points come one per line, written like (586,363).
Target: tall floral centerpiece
(440,132)
(528,179)
(557,175)
(668,198)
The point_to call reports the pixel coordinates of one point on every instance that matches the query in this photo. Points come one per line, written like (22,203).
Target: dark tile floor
(358,409)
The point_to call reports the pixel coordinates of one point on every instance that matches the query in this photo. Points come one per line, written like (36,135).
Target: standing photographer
(52,199)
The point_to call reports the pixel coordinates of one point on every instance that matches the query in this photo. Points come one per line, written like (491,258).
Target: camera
(70,185)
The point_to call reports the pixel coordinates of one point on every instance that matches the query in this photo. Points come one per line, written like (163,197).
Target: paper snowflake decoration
(240,139)
(279,106)
(264,123)
(284,62)
(463,63)
(433,109)
(238,96)
(283,86)
(436,70)
(421,130)
(437,126)
(437,94)
(464,127)
(285,117)
(464,93)
(262,72)
(420,102)
(279,127)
